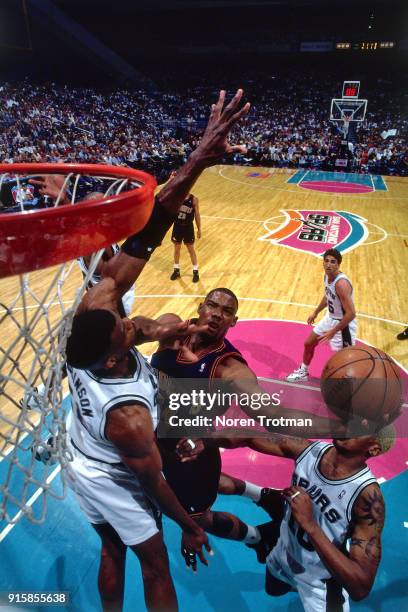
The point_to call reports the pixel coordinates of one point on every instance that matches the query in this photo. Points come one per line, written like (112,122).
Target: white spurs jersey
(294,557)
(93,397)
(127,299)
(333,301)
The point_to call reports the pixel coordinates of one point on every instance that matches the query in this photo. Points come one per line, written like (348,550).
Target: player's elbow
(358,594)
(360,589)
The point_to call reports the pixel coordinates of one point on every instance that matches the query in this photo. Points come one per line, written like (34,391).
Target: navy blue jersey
(196,482)
(172,363)
(178,376)
(185,216)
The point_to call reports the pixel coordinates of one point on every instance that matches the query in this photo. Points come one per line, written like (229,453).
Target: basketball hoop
(37,307)
(51,236)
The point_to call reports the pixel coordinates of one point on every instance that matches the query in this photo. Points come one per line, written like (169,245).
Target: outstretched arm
(125,267)
(130,429)
(244,382)
(277,445)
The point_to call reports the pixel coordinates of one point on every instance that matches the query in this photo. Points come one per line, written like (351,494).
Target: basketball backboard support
(346,109)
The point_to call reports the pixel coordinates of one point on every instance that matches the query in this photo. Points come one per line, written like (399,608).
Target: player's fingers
(203,560)
(38,182)
(231,107)
(237,116)
(237,149)
(217,107)
(209,549)
(190,558)
(188,354)
(287,493)
(193,328)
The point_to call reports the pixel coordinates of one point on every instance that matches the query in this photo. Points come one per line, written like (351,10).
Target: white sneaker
(298,375)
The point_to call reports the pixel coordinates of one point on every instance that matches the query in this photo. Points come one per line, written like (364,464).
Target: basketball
(362,381)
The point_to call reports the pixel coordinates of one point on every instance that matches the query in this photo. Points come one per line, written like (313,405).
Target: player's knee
(156,569)
(310,342)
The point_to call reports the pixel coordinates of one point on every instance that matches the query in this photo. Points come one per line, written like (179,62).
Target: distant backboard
(347,109)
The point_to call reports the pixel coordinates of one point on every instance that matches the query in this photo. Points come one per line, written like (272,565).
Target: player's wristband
(143,243)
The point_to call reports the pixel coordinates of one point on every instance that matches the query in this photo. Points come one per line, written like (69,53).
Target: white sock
(195,268)
(304,367)
(253,536)
(252,491)
(177,266)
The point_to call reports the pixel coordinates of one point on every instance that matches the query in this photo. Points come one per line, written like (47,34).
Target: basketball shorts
(108,494)
(194,482)
(343,338)
(313,598)
(183,233)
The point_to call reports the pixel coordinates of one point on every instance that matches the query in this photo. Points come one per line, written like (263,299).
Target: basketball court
(259,239)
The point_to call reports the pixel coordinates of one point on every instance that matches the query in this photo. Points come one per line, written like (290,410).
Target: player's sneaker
(271,501)
(269,536)
(175,275)
(196,276)
(403,335)
(299,375)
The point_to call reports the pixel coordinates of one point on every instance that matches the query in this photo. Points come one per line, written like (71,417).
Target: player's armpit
(101,296)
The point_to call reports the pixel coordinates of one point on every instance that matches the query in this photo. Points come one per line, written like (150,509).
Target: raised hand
(52,185)
(172,335)
(214,143)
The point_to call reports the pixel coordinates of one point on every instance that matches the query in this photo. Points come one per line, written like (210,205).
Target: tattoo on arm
(372,509)
(371,547)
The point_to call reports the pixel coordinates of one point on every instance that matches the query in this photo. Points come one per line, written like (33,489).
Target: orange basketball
(362,381)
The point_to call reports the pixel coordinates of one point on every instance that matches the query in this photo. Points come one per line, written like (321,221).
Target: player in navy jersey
(196,483)
(183,231)
(339,324)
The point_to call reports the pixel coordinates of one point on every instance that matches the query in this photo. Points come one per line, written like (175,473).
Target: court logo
(315,231)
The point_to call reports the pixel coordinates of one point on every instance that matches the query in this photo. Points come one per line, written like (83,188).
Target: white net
(36,311)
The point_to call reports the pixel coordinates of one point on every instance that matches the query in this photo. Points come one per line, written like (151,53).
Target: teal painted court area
(62,554)
(338,182)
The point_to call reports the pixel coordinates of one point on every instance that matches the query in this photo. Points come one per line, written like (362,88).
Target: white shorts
(113,495)
(314,599)
(343,338)
(128,300)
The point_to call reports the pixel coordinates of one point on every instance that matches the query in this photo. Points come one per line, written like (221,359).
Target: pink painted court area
(273,349)
(336,187)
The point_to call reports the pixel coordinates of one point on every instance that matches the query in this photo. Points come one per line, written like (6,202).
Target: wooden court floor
(240,205)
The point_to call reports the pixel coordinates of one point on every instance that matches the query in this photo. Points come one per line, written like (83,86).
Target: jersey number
(300,534)
(330,306)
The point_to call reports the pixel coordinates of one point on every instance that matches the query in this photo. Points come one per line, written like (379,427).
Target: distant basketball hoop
(349,108)
(346,109)
(37,308)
